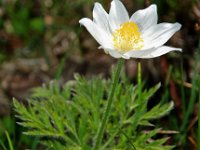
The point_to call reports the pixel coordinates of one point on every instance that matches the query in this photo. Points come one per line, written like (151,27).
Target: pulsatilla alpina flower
(138,36)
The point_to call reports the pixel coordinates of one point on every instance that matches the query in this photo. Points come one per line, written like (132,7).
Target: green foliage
(37,24)
(9,142)
(21,20)
(68,117)
(10,136)
(7,128)
(2,56)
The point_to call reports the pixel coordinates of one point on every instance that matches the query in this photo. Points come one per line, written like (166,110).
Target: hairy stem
(108,107)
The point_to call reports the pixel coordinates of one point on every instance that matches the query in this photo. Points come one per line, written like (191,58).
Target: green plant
(11,136)
(68,116)
(9,142)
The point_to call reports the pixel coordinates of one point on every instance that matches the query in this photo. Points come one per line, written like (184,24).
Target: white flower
(138,36)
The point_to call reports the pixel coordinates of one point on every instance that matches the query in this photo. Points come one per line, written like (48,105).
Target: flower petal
(159,34)
(117,15)
(151,53)
(100,17)
(115,53)
(102,37)
(145,18)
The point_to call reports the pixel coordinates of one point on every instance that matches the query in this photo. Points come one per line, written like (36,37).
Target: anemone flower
(138,36)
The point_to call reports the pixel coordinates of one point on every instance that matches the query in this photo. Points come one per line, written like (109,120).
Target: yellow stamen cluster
(127,37)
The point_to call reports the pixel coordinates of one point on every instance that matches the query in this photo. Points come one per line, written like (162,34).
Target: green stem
(199,123)
(108,107)
(182,87)
(190,105)
(139,80)
(9,141)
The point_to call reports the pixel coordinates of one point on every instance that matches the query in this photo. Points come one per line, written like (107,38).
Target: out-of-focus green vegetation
(42,40)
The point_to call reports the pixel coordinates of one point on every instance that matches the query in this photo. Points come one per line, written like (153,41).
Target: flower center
(127,37)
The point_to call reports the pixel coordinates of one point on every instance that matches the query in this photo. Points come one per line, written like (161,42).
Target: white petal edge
(145,18)
(115,53)
(117,15)
(159,34)
(100,17)
(102,37)
(151,53)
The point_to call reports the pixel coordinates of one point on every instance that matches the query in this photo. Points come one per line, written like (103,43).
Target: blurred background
(42,41)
